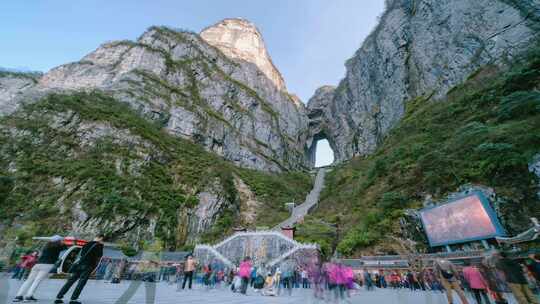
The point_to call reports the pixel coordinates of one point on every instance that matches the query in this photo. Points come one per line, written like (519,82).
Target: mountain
(154,139)
(442,98)
(222,101)
(419,48)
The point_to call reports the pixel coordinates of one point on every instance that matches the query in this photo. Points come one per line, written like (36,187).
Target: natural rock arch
(311,150)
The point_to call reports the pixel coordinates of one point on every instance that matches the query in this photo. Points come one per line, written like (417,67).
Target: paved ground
(100,292)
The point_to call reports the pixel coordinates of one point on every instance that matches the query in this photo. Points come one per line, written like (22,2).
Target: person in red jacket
(29,261)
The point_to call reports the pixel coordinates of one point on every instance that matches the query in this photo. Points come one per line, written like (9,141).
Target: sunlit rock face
(13,85)
(321,124)
(195,90)
(240,39)
(420,48)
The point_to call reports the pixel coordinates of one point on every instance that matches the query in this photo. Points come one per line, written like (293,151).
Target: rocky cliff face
(223,100)
(241,40)
(419,48)
(12,86)
(115,158)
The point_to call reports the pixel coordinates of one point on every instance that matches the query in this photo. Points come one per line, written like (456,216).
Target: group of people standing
(43,264)
(490,280)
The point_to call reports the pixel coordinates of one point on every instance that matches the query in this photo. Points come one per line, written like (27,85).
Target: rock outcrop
(319,113)
(12,86)
(232,100)
(241,40)
(419,48)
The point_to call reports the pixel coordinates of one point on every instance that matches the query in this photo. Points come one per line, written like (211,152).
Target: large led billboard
(466,219)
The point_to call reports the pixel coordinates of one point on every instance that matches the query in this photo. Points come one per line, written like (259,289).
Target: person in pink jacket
(477,282)
(245,273)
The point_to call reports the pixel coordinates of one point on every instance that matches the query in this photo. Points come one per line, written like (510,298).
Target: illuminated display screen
(467,219)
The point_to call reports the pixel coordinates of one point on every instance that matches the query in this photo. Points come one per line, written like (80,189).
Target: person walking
(119,272)
(447,275)
(287,273)
(269,286)
(148,269)
(245,273)
(368,282)
(533,264)
(29,261)
(304,277)
(81,270)
(277,280)
(477,282)
(496,286)
(18,271)
(189,268)
(40,271)
(517,282)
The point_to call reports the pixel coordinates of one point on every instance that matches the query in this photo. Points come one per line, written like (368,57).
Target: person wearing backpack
(81,270)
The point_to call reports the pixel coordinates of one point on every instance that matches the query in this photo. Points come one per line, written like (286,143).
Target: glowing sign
(466,219)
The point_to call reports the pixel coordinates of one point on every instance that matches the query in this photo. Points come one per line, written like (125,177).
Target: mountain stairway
(266,247)
(311,201)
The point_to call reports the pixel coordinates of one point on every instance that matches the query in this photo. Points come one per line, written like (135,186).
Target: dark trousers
(82,274)
(17,273)
(150,291)
(479,294)
(187,275)
(288,284)
(244,286)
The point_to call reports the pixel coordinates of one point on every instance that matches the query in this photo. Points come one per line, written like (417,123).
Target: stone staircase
(266,247)
(311,201)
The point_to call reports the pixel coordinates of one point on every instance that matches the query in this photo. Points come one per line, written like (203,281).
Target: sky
(308,40)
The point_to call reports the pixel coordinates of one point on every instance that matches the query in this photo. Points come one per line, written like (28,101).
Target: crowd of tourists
(494,279)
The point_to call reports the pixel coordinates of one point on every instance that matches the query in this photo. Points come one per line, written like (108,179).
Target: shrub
(357,238)
(519,104)
(392,200)
(128,250)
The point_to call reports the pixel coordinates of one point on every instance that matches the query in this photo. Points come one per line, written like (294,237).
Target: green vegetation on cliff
(485,132)
(89,152)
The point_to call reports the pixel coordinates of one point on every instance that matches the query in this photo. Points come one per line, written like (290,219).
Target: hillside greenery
(137,175)
(485,132)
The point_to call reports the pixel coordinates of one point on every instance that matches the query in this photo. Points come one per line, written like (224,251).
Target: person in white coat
(41,270)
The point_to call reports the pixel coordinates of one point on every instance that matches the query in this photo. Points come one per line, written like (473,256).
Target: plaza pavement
(101,292)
